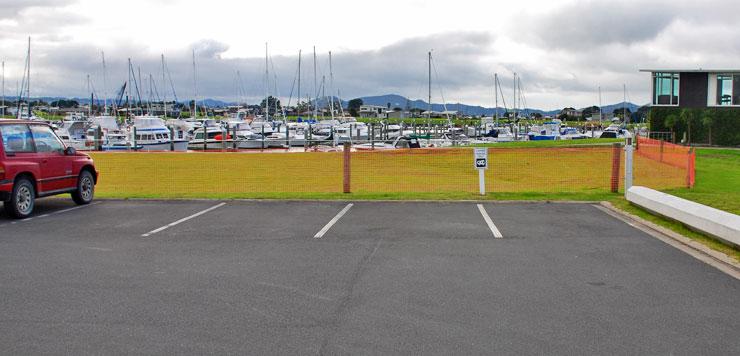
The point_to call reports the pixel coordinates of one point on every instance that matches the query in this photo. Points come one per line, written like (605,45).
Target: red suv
(35,163)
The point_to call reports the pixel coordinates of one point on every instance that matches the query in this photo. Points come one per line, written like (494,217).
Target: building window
(728,89)
(665,88)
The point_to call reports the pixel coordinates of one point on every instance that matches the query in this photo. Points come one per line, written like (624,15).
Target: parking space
(405,277)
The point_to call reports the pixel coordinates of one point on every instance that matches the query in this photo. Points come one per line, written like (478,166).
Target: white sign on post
(480,158)
(480,162)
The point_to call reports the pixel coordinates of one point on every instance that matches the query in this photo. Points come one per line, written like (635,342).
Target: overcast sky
(563,50)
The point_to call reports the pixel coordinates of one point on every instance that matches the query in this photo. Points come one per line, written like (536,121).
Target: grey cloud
(12,8)
(586,24)
(398,68)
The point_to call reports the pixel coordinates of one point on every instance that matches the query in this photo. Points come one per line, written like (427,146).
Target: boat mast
(495,91)
(195,93)
(105,86)
(624,105)
(89,107)
(429,77)
(139,90)
(164,92)
(315,87)
(3,100)
(28,82)
(298,106)
(600,112)
(515,104)
(331,89)
(128,90)
(267,87)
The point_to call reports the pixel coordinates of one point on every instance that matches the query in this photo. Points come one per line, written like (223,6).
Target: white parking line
(49,214)
(494,229)
(182,220)
(332,222)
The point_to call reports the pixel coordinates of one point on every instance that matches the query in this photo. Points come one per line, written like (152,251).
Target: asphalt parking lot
(241,277)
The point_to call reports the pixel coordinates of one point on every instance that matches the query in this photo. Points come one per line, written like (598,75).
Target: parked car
(35,163)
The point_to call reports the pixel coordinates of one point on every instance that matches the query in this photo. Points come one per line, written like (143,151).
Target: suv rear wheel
(22,199)
(85,188)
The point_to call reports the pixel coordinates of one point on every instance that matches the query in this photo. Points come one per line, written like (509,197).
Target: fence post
(134,138)
(98,139)
(661,151)
(628,151)
(263,136)
(172,138)
(616,153)
(690,171)
(347,172)
(233,138)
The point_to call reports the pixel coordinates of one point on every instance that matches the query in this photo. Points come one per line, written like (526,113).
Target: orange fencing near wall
(581,169)
(661,165)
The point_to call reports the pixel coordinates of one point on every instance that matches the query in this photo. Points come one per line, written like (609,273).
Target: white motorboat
(151,134)
(216,138)
(397,143)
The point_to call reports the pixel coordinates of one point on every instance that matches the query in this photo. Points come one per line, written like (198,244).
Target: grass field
(717,180)
(554,173)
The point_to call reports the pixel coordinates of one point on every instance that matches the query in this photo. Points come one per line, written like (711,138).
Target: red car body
(31,152)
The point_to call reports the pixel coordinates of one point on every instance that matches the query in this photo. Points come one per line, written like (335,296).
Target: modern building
(695,88)
(372,111)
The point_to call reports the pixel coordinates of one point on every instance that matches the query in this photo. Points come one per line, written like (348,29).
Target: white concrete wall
(715,222)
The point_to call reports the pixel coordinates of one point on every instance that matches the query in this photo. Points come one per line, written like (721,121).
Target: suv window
(45,139)
(16,138)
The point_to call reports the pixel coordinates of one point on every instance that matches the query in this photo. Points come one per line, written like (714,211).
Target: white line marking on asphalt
(332,222)
(49,214)
(494,229)
(182,220)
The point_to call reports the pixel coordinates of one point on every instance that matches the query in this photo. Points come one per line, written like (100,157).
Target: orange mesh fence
(203,174)
(301,174)
(662,165)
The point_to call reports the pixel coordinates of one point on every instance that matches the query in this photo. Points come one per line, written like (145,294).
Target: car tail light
(2,172)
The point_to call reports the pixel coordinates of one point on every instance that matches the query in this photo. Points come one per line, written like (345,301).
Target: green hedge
(722,123)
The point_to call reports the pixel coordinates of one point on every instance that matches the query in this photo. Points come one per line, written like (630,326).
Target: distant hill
(394,100)
(400,101)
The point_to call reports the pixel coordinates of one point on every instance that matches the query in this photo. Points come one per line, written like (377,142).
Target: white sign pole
(482,181)
(480,162)
(628,168)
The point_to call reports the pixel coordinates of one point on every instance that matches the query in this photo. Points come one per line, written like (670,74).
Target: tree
(671,121)
(618,112)
(687,115)
(274,104)
(708,121)
(588,112)
(65,104)
(354,106)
